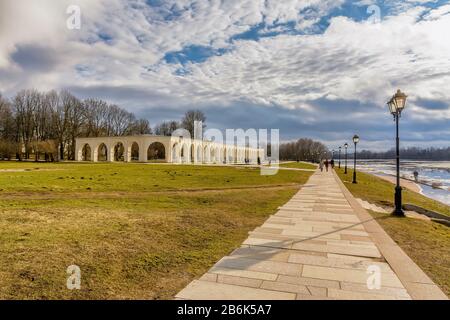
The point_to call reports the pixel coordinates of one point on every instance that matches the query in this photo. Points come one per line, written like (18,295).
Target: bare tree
(48,123)
(140,127)
(166,128)
(303,149)
(190,117)
(96,112)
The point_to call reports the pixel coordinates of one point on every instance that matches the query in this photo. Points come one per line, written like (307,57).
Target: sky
(322,69)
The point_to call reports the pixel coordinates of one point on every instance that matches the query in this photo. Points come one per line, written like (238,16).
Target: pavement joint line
(375,259)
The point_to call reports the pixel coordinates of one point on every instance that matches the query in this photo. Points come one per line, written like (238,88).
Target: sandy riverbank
(407,184)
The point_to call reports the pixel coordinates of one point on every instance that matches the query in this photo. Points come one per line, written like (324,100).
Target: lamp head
(355,139)
(397,102)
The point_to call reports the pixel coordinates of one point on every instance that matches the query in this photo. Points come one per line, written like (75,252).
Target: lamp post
(355,141)
(340,148)
(346,147)
(396,106)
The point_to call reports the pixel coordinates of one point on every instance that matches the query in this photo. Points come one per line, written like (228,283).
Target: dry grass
(143,245)
(427,243)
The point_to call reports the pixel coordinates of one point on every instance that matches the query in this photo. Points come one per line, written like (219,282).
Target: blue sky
(317,68)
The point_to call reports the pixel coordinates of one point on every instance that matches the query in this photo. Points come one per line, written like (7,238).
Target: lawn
(299,165)
(136,231)
(427,243)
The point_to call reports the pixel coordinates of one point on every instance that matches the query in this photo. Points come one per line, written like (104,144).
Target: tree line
(304,149)
(411,153)
(35,123)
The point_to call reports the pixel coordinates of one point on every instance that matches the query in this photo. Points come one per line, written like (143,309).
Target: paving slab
(205,290)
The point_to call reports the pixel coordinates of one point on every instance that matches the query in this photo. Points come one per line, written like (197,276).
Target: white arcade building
(149,148)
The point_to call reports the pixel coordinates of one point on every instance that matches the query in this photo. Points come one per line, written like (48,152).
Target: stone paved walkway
(315,247)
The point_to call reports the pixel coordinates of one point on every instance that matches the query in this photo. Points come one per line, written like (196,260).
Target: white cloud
(355,61)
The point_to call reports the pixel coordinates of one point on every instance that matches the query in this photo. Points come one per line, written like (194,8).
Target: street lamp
(346,147)
(355,141)
(340,148)
(396,106)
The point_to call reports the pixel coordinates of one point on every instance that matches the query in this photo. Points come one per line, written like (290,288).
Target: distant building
(149,148)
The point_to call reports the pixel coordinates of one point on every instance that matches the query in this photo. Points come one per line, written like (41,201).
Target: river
(434,176)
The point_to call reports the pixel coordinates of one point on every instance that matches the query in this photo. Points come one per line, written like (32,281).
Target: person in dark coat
(326,164)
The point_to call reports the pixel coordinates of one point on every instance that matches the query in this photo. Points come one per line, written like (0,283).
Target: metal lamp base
(398,211)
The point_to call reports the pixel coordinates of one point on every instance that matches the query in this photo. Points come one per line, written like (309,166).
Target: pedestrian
(332,163)
(321,165)
(326,164)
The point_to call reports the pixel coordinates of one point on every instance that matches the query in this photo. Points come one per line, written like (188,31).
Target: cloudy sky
(317,68)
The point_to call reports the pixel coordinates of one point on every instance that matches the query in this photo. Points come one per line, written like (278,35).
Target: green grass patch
(299,165)
(79,177)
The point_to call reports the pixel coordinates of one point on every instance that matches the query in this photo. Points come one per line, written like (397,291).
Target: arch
(102,152)
(206,154)
(212,154)
(199,153)
(119,152)
(156,152)
(134,154)
(184,153)
(229,155)
(175,153)
(86,153)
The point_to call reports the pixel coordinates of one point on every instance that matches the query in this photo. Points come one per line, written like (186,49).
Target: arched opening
(134,152)
(86,153)
(119,152)
(212,155)
(206,154)
(192,153)
(199,154)
(175,153)
(184,153)
(156,152)
(102,153)
(230,155)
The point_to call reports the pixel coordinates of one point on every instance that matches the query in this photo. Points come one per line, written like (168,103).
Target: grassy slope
(138,245)
(299,165)
(427,243)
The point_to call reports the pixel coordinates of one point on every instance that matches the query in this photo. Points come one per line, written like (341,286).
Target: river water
(433,175)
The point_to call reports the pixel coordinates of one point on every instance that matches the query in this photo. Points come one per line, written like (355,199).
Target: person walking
(332,163)
(326,164)
(321,165)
